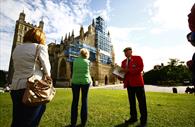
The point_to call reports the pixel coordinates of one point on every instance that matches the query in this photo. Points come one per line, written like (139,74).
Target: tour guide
(133,81)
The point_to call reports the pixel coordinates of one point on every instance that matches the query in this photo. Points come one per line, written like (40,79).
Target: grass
(109,108)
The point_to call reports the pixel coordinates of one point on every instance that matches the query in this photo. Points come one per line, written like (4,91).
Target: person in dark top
(191,39)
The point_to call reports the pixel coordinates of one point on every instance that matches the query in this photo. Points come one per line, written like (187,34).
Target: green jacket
(81,72)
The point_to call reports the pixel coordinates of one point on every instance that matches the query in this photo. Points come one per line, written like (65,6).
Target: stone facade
(61,55)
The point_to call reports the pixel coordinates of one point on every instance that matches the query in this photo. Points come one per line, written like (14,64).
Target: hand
(124,70)
(46,76)
(119,78)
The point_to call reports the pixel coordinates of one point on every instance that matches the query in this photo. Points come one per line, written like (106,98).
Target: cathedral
(96,39)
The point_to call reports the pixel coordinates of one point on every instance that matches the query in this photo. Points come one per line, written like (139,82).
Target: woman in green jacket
(81,79)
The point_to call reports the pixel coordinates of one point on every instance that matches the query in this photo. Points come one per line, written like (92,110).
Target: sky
(155,29)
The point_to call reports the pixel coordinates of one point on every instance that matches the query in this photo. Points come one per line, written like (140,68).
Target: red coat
(191,19)
(134,77)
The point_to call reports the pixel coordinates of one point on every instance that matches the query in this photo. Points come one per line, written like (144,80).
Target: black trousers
(193,70)
(139,93)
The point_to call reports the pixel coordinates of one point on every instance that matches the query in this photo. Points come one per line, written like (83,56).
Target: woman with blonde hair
(81,80)
(24,66)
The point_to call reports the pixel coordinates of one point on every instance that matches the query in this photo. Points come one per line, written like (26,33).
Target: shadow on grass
(122,125)
(67,126)
(119,125)
(76,125)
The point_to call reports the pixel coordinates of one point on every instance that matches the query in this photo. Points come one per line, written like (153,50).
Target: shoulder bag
(38,91)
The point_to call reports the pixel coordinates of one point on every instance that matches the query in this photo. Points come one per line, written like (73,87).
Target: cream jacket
(24,64)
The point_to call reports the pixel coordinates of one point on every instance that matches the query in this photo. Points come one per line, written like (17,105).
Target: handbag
(38,91)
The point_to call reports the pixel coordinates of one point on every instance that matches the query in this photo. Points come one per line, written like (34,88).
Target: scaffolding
(103,41)
(103,45)
(73,51)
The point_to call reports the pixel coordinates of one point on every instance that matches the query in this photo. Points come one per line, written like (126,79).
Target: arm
(193,63)
(44,59)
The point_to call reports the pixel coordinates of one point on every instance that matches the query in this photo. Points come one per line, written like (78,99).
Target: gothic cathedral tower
(21,28)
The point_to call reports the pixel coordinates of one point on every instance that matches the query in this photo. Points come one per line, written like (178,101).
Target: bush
(170,75)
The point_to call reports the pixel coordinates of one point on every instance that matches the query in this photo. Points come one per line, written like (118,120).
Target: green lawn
(109,108)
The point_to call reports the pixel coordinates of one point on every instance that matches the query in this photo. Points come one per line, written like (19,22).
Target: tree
(173,74)
(173,62)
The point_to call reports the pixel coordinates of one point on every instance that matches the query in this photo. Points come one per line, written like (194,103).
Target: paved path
(151,88)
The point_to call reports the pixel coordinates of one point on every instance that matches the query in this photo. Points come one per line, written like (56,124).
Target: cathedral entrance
(106,80)
(62,70)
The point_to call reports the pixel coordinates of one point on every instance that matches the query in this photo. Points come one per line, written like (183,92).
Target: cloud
(155,56)
(123,33)
(59,18)
(62,16)
(121,38)
(151,54)
(5,46)
(170,14)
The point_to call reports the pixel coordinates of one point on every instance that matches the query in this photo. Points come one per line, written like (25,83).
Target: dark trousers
(193,70)
(138,92)
(22,115)
(74,109)
(193,79)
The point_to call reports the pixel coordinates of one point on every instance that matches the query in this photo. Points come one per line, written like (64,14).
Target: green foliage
(173,74)
(109,108)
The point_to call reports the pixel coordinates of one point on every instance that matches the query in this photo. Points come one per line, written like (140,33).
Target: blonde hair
(35,35)
(84,53)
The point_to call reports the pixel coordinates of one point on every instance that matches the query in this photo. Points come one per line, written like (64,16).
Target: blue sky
(155,29)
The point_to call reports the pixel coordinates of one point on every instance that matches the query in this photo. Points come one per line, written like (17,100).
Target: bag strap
(36,58)
(36,53)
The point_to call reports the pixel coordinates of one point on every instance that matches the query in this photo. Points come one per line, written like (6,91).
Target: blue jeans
(74,109)
(22,115)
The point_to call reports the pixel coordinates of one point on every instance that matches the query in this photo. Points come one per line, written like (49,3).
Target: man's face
(128,53)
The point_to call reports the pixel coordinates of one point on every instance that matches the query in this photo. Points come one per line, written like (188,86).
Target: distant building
(158,67)
(21,28)
(96,39)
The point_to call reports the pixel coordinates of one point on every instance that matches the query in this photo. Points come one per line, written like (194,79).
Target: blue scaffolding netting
(103,45)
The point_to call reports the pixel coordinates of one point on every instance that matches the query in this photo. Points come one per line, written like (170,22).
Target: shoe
(142,125)
(130,121)
(81,125)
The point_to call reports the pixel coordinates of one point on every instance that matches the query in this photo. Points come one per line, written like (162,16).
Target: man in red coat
(133,81)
